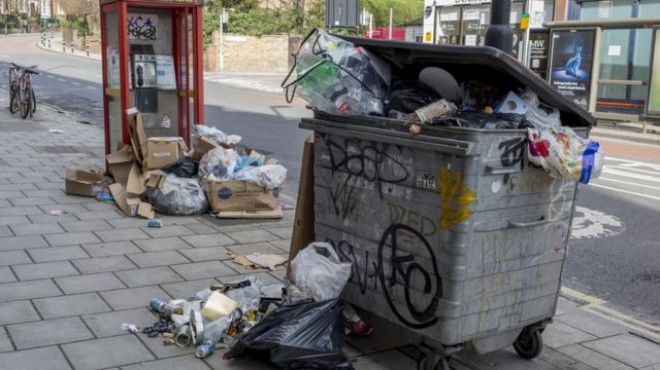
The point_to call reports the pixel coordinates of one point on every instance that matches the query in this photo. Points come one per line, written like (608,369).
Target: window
(609,9)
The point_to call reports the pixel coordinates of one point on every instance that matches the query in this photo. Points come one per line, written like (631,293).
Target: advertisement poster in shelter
(571,62)
(539,46)
(653,108)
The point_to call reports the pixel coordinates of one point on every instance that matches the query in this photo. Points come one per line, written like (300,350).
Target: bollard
(63,46)
(51,39)
(87,46)
(71,47)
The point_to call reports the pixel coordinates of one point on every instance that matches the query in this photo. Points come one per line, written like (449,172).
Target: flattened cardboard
(135,185)
(84,183)
(241,196)
(145,210)
(275,214)
(128,205)
(119,164)
(303,221)
(138,136)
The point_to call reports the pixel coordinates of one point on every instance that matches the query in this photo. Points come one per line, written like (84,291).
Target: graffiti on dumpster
(403,215)
(456,199)
(343,196)
(404,268)
(371,161)
(365,270)
(513,152)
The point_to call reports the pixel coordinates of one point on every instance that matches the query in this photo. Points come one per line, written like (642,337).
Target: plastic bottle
(164,308)
(213,332)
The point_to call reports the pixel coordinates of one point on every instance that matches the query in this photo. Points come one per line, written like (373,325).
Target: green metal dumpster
(452,234)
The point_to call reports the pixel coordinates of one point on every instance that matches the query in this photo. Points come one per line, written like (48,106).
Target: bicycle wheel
(26,103)
(13,99)
(33,101)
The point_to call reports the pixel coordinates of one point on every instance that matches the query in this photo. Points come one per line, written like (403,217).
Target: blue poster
(571,64)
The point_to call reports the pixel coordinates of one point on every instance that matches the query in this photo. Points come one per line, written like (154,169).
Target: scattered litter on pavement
(268,261)
(104,196)
(258,260)
(155,223)
(130,328)
(244,315)
(58,212)
(55,131)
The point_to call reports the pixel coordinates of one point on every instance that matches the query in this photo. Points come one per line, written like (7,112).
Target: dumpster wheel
(442,364)
(529,343)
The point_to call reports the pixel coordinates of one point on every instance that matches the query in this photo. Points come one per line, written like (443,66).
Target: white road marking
(626,192)
(630,183)
(631,175)
(591,224)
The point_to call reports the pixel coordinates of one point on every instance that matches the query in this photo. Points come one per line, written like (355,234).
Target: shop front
(464,22)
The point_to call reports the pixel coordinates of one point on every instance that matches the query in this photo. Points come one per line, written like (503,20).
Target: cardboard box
(240,196)
(136,183)
(163,151)
(156,152)
(84,183)
(202,147)
(119,164)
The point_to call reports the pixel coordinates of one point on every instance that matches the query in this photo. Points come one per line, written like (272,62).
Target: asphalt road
(614,252)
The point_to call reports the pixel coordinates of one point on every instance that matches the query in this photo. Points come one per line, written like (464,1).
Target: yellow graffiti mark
(456,199)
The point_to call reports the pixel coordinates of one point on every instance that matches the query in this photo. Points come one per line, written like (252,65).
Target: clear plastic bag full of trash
(216,135)
(219,162)
(178,197)
(271,176)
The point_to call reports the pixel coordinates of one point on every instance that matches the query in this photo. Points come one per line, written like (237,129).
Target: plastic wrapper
(246,161)
(178,197)
(538,115)
(482,121)
(215,134)
(307,335)
(441,108)
(410,96)
(317,268)
(184,167)
(219,162)
(337,77)
(271,176)
(563,154)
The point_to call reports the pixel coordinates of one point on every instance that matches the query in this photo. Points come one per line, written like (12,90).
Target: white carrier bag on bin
(318,269)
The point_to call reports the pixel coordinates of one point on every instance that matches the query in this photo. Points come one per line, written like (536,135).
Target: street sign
(342,13)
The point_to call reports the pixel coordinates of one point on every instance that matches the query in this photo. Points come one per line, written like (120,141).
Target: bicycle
(21,93)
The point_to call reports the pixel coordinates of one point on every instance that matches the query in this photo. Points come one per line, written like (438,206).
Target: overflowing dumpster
(451,232)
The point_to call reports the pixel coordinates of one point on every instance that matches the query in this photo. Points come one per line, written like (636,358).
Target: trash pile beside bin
(160,174)
(298,325)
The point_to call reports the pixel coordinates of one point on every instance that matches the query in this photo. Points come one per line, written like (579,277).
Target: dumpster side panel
(455,247)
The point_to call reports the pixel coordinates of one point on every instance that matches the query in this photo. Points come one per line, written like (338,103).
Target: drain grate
(67,149)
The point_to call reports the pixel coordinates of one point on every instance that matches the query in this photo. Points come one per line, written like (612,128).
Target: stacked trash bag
(335,76)
(298,325)
(182,193)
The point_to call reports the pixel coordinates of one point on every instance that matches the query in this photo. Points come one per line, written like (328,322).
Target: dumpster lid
(494,67)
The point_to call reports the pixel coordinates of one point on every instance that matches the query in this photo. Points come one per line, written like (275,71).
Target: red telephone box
(152,60)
